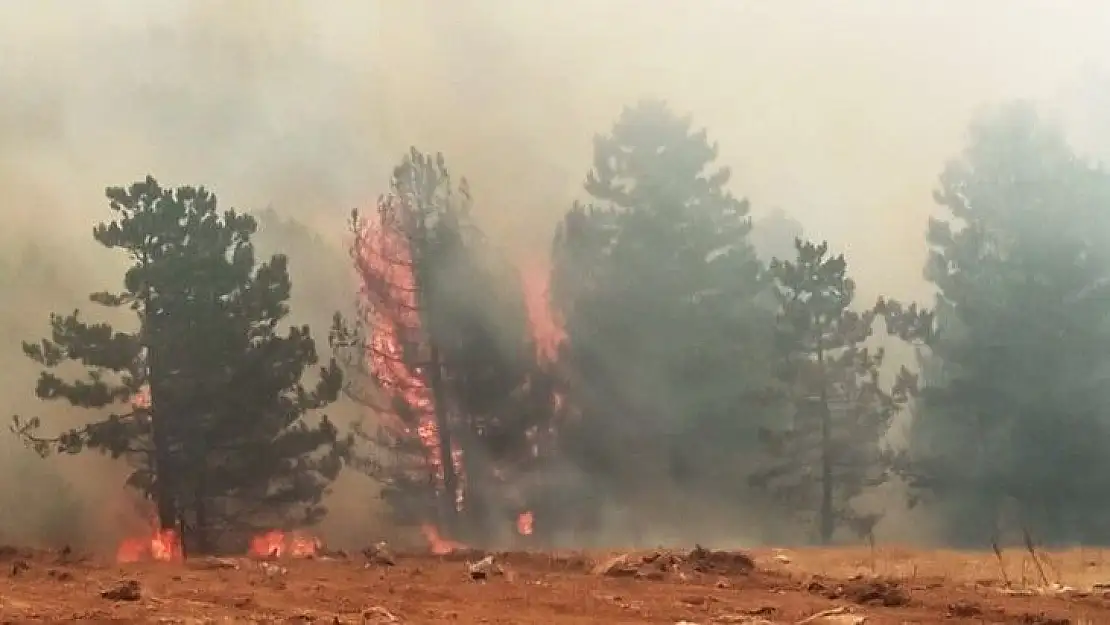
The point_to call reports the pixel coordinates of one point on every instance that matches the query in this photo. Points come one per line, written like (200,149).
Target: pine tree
(830,449)
(658,284)
(441,349)
(1014,416)
(221,442)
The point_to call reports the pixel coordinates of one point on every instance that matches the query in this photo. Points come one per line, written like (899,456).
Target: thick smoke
(840,112)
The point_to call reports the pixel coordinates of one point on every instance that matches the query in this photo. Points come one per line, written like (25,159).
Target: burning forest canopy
(670,372)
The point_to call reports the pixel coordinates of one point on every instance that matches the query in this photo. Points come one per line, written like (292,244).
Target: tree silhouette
(658,285)
(204,396)
(830,449)
(1013,416)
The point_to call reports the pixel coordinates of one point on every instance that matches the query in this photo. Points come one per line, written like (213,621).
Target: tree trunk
(827,521)
(160,420)
(163,489)
(448,512)
(162,468)
(200,512)
(480,520)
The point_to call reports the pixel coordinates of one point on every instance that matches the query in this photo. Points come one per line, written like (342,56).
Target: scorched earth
(662,586)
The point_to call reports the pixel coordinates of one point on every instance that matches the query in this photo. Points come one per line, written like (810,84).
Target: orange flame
(269,544)
(278,544)
(384,261)
(161,546)
(141,399)
(304,546)
(438,545)
(165,545)
(549,334)
(524,523)
(547,331)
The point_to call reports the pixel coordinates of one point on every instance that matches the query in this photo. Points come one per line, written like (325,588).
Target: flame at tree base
(165,546)
(389,306)
(277,544)
(161,546)
(437,544)
(524,523)
(382,251)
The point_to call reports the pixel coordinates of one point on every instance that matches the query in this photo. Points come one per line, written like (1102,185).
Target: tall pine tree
(830,449)
(221,442)
(1012,427)
(657,283)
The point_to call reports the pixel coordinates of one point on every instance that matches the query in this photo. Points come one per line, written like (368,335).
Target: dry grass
(938,586)
(1079,568)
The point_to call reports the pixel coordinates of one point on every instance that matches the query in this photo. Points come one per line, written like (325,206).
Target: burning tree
(213,404)
(442,351)
(838,412)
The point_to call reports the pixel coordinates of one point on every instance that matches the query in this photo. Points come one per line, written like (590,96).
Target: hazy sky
(841,112)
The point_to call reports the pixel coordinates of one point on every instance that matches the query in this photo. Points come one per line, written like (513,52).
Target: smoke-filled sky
(840,112)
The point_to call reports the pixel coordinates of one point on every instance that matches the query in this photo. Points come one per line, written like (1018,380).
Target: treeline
(664,372)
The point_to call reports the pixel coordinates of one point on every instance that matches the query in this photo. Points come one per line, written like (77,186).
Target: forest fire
(165,546)
(160,546)
(437,544)
(547,331)
(524,523)
(391,311)
(384,261)
(278,544)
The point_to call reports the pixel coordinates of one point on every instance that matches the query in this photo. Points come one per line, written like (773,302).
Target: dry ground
(786,587)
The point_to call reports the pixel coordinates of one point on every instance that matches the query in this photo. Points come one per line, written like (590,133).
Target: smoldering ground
(840,112)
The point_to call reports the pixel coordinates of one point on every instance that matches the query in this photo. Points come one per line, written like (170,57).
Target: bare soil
(888,585)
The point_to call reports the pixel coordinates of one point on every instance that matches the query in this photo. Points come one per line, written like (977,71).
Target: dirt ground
(785,586)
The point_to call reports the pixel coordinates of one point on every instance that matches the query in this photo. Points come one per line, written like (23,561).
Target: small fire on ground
(437,544)
(524,523)
(441,546)
(165,546)
(161,545)
(278,544)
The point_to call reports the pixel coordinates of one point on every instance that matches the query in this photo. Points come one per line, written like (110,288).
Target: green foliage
(658,286)
(222,446)
(1013,416)
(830,450)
